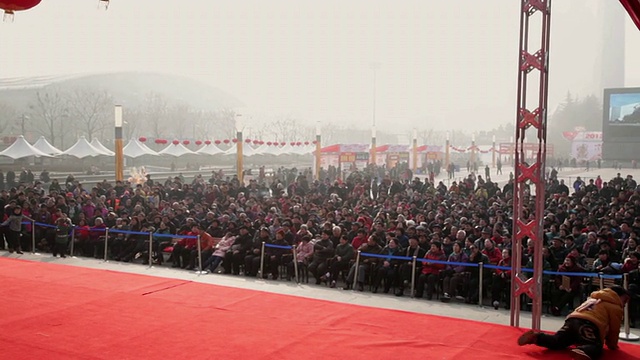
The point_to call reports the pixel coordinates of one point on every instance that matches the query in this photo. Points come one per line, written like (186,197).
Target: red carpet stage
(53,311)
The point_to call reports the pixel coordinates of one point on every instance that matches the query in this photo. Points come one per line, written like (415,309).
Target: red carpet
(53,311)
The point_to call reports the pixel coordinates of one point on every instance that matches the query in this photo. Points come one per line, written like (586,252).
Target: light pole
(414,150)
(239,158)
(447,158)
(318,149)
(373,146)
(23,120)
(375,67)
(118,144)
(493,151)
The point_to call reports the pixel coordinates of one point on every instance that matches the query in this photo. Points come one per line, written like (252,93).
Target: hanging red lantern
(256,142)
(269,143)
(306,143)
(226,141)
(235,140)
(283,143)
(248,141)
(218,142)
(186,142)
(261,142)
(158,141)
(142,139)
(175,142)
(207,142)
(198,142)
(298,143)
(315,142)
(11,6)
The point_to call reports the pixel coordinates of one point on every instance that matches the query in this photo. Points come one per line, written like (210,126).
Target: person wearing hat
(252,259)
(589,327)
(235,256)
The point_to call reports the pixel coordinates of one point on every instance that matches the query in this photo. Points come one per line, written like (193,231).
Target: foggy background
(444,65)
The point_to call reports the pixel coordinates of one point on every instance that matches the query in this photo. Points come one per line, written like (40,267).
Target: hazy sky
(443,63)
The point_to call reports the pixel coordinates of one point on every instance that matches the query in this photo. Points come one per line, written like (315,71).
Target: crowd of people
(591,226)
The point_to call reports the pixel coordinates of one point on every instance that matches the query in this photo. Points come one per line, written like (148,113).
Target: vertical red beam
(530,171)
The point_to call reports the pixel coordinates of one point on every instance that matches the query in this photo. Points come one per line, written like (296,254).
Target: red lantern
(248,141)
(256,142)
(306,143)
(283,143)
(226,141)
(261,142)
(175,142)
(158,141)
(298,143)
(269,143)
(207,142)
(186,142)
(142,139)
(235,140)
(198,142)
(315,142)
(10,6)
(218,142)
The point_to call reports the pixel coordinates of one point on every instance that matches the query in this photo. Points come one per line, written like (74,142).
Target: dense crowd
(592,226)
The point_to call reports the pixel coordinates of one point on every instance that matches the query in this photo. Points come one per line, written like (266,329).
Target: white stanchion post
(261,261)
(413,276)
(73,240)
(480,284)
(295,264)
(200,272)
(601,280)
(106,244)
(33,238)
(626,333)
(355,272)
(150,249)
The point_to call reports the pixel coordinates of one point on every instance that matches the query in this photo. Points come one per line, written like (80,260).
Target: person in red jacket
(492,252)
(500,279)
(431,271)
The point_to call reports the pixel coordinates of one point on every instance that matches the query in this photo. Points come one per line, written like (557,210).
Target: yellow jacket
(606,312)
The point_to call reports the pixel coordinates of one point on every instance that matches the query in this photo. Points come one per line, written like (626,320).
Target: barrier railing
(625,334)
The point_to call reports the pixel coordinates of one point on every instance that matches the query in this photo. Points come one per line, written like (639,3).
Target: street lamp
(239,157)
(318,149)
(118,144)
(415,151)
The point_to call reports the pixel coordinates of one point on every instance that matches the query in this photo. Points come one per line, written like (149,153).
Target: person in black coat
(403,278)
(387,267)
(235,256)
(322,252)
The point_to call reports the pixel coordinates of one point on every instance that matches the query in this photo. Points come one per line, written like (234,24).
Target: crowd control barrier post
(106,244)
(200,271)
(355,273)
(73,240)
(150,249)
(480,283)
(626,333)
(295,263)
(33,238)
(601,281)
(413,275)
(261,261)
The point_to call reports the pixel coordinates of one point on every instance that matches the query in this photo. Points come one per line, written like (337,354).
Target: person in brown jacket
(592,324)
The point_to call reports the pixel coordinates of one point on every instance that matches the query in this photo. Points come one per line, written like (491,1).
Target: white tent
(43,145)
(136,149)
(262,150)
(98,145)
(304,149)
(21,149)
(175,150)
(209,149)
(247,150)
(82,149)
(285,150)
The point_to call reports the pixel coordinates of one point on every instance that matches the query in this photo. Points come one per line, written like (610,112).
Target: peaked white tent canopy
(175,150)
(247,150)
(304,150)
(136,149)
(262,150)
(82,149)
(21,149)
(98,145)
(285,150)
(43,145)
(209,149)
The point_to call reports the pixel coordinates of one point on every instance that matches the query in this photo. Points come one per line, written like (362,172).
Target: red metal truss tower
(531,118)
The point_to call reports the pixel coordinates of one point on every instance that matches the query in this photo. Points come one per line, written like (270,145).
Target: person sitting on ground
(594,323)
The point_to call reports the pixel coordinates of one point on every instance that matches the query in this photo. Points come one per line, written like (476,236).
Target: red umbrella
(142,139)
(175,142)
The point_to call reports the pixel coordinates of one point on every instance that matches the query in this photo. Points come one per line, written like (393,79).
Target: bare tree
(8,114)
(179,117)
(154,114)
(49,109)
(91,110)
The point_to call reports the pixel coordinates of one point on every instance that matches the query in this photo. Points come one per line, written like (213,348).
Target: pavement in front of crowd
(322,292)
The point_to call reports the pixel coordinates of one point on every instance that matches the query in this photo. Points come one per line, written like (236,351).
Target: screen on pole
(621,124)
